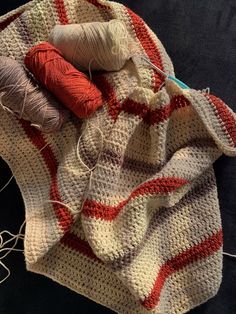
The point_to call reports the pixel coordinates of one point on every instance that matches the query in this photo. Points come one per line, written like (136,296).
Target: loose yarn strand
(228,254)
(24,100)
(77,150)
(60,203)
(8,272)
(78,144)
(15,237)
(8,182)
(88,170)
(206,90)
(154,66)
(89,69)
(102,145)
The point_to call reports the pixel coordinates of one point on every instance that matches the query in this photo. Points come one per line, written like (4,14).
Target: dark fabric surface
(200,37)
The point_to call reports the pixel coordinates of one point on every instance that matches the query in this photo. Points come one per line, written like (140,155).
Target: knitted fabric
(141,231)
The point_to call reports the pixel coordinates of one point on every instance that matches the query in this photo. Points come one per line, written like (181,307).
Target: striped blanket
(134,223)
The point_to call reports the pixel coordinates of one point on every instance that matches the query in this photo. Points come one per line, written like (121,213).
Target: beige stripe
(20,9)
(187,163)
(86,10)
(38,19)
(209,116)
(91,279)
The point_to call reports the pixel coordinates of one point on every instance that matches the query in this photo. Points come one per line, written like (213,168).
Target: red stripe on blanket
(198,251)
(225,115)
(97,210)
(75,243)
(109,95)
(148,115)
(61,11)
(148,45)
(191,255)
(8,20)
(64,216)
(152,117)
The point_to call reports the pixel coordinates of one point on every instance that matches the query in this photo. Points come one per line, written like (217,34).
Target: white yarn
(95,46)
(206,90)
(8,182)
(228,254)
(8,250)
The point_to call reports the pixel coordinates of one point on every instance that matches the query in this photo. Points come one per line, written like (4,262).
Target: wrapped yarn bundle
(72,87)
(96,45)
(21,95)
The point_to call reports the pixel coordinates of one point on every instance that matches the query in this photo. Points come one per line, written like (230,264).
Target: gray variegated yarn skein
(21,95)
(96,46)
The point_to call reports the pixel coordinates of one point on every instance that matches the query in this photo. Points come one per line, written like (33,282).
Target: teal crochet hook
(170,77)
(177,81)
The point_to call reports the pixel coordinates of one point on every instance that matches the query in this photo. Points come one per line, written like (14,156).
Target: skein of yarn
(70,86)
(21,95)
(96,46)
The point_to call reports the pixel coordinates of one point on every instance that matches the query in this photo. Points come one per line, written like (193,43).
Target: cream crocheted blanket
(134,223)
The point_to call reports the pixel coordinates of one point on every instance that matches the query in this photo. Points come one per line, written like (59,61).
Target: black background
(200,37)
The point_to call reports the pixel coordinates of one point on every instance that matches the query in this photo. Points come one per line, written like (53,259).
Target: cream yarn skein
(95,46)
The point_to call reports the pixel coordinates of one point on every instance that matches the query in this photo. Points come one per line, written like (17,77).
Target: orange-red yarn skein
(72,87)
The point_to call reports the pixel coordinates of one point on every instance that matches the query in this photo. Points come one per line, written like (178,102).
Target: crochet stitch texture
(141,231)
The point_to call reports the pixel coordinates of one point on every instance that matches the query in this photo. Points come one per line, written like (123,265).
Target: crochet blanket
(122,207)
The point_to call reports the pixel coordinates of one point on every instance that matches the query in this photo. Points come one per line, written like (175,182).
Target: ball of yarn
(70,86)
(97,45)
(22,96)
